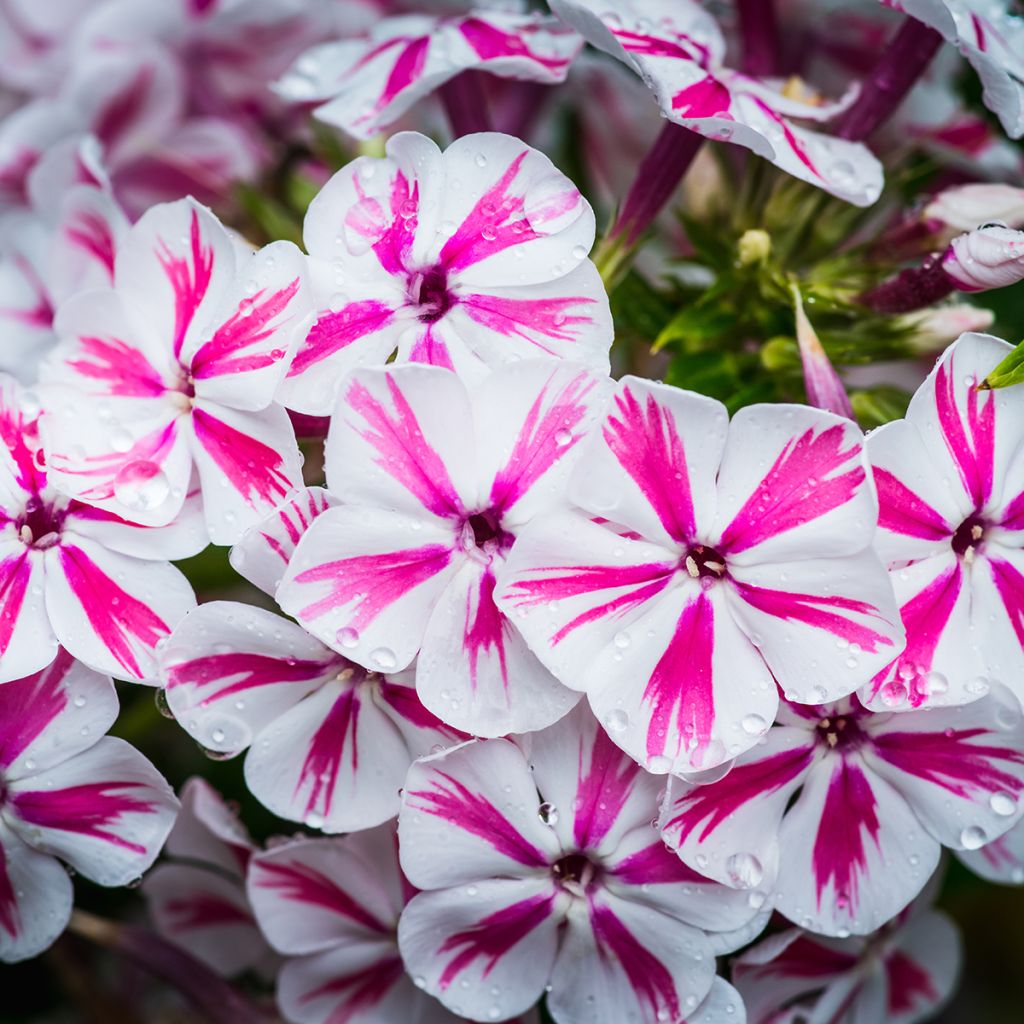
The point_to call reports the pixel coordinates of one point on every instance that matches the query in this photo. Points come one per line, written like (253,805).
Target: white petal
(27,642)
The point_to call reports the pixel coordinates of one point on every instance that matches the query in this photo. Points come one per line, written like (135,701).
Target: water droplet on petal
(616,721)
(141,486)
(563,437)
(347,637)
(754,725)
(548,813)
(973,838)
(622,640)
(1002,804)
(552,204)
(384,658)
(744,870)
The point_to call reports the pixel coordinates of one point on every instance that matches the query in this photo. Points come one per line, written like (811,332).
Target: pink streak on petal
(493,937)
(602,791)
(406,69)
(119,619)
(302,884)
(1010,584)
(403,451)
(125,369)
(93,235)
(373,582)
(29,705)
(681,688)
(949,759)
(798,148)
(255,320)
(714,803)
(254,469)
(431,350)
(334,738)
(39,315)
(544,438)
(91,809)
(405,703)
(903,511)
(910,985)
(645,441)
(461,808)
(394,246)
(925,617)
(359,992)
(521,318)
(656,46)
(485,628)
(848,816)
(706,98)
(189,279)
(203,910)
(804,484)
(336,330)
(15,573)
(647,581)
(816,610)
(490,43)
(648,976)
(972,446)
(1013,514)
(18,434)
(805,958)
(214,671)
(124,109)
(656,865)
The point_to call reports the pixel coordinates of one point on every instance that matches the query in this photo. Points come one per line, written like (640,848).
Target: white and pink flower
(437,480)
(903,975)
(68,793)
(678,49)
(841,812)
(76,575)
(541,871)
(369,82)
(704,562)
(950,481)
(197,898)
(465,259)
(329,742)
(173,370)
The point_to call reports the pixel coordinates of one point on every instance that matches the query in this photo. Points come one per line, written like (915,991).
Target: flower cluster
(629,628)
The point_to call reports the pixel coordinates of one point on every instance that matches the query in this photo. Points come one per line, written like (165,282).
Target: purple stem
(524,107)
(465,103)
(759,33)
(902,63)
(657,178)
(910,289)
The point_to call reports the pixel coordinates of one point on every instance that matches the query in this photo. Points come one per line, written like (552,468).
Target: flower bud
(938,328)
(964,207)
(990,257)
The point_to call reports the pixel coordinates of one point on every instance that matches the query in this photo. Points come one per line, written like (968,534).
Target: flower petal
(27,641)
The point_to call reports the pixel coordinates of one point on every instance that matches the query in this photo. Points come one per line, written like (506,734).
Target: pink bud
(964,207)
(938,328)
(824,388)
(989,257)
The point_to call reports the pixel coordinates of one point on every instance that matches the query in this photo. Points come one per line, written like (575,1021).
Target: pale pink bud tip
(990,257)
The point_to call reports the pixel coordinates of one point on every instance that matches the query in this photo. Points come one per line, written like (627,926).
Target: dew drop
(384,658)
(754,725)
(563,437)
(622,640)
(973,838)
(1002,804)
(616,721)
(314,820)
(141,486)
(744,870)
(347,637)
(548,813)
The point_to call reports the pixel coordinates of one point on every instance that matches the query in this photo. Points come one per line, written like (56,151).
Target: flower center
(969,538)
(576,873)
(482,530)
(841,731)
(704,563)
(40,525)
(429,291)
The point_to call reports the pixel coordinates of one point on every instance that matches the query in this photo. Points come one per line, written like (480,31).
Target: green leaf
(1009,372)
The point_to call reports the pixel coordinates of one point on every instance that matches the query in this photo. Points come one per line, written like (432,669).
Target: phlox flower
(76,575)
(174,368)
(328,742)
(68,793)
(704,561)
(904,974)
(37,42)
(541,871)
(436,481)
(677,48)
(197,898)
(841,812)
(465,259)
(370,81)
(950,480)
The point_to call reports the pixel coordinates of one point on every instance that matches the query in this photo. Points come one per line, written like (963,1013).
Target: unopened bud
(965,207)
(754,246)
(938,328)
(990,257)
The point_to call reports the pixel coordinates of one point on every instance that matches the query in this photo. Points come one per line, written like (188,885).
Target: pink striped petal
(793,484)
(90,228)
(1001,860)
(479,803)
(997,610)
(922,968)
(52,715)
(110,610)
(263,552)
(205,914)
(960,769)
(656,468)
(106,811)
(208,830)
(350,586)
(485,948)
(27,641)
(255,452)
(621,948)
(35,898)
(311,895)
(231,670)
(820,645)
